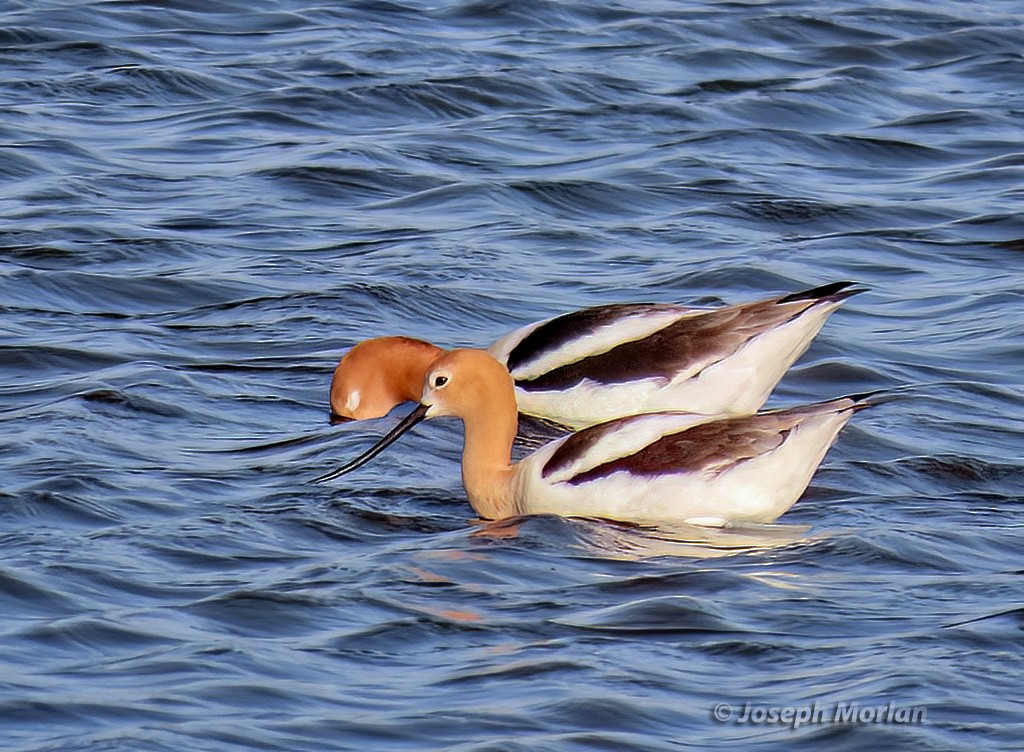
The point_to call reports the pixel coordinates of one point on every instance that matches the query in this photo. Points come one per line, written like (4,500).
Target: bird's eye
(440,381)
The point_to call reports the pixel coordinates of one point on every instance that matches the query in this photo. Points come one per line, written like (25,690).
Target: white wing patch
(506,344)
(630,327)
(628,437)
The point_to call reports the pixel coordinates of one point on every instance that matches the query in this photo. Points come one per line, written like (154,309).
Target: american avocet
(601,363)
(658,467)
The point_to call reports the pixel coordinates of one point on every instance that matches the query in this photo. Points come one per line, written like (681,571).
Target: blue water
(202,205)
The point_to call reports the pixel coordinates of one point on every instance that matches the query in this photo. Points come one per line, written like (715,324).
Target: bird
(663,467)
(596,364)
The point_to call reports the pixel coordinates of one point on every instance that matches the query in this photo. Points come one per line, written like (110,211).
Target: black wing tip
(864,400)
(855,402)
(834,291)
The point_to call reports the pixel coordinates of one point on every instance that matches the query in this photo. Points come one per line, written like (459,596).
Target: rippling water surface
(202,205)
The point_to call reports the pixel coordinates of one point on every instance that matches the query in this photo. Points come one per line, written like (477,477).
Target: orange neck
(487,468)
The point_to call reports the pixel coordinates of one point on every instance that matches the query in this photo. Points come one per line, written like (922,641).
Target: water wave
(206,204)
